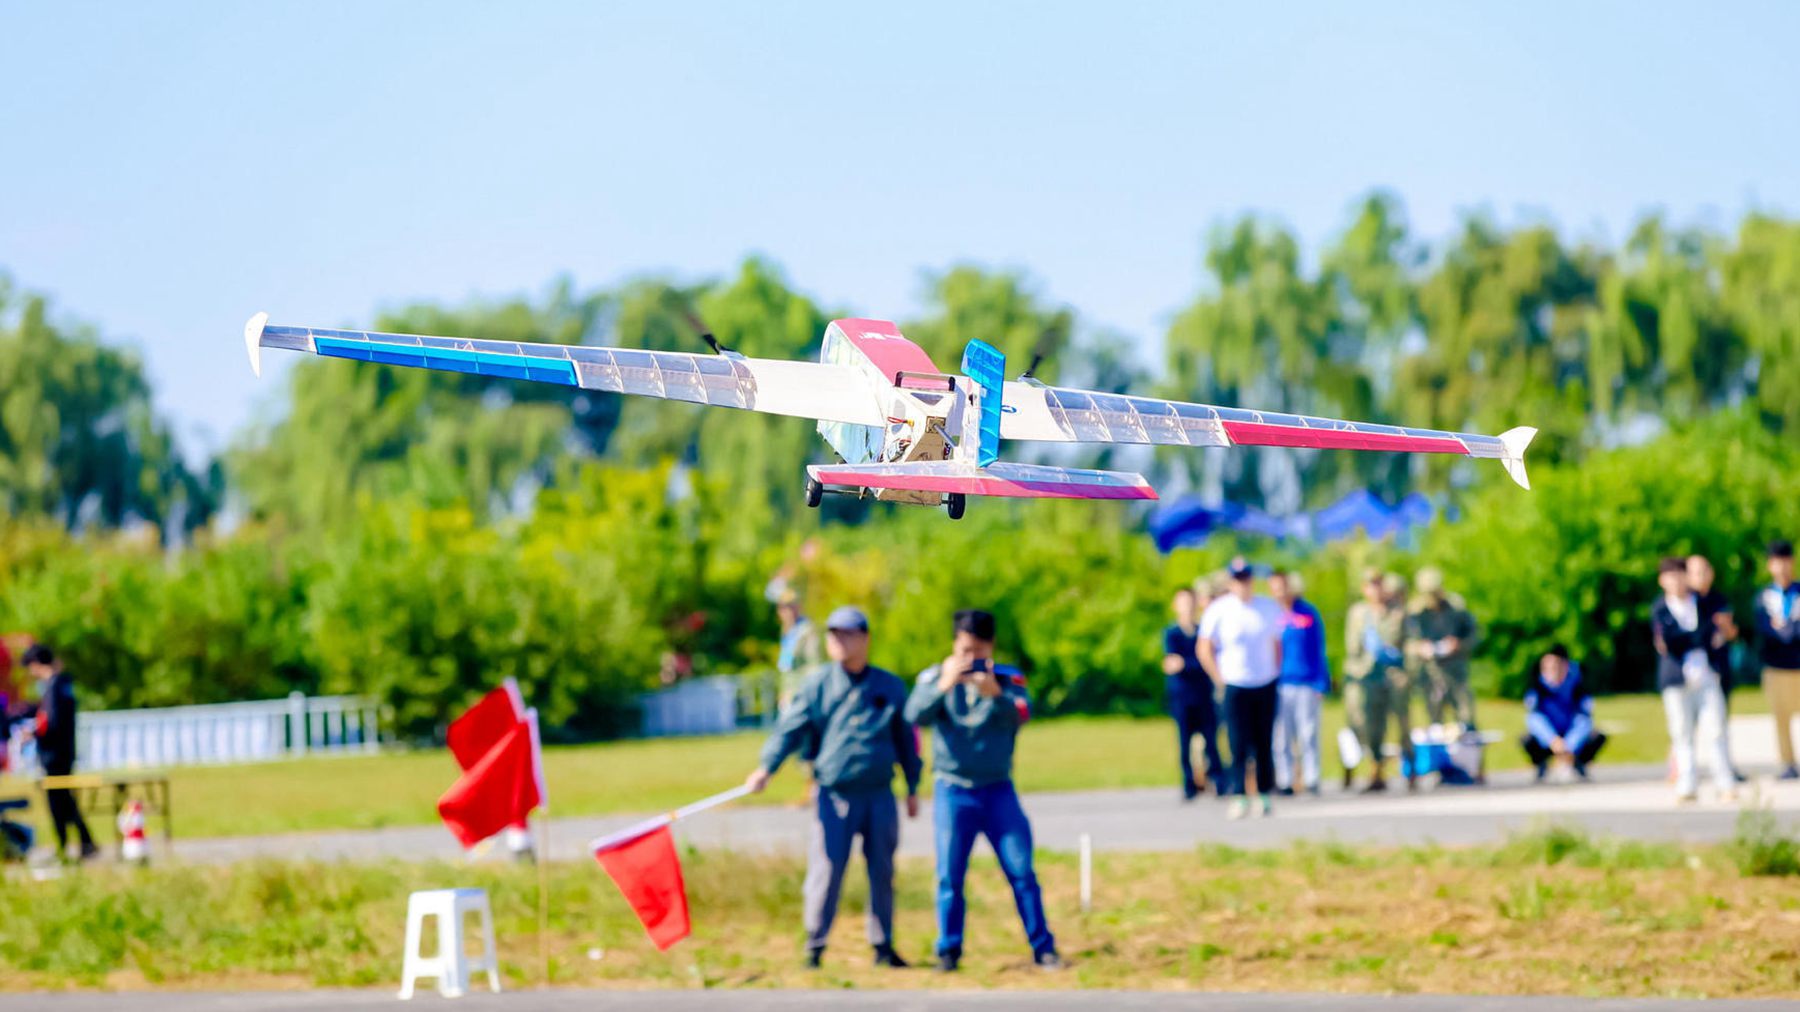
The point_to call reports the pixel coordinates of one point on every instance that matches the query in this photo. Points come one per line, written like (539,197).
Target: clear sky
(168,169)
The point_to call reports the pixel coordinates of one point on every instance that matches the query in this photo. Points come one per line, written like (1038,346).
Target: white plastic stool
(451,967)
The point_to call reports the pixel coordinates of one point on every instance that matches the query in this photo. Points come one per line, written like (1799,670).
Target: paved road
(886,1001)
(1632,802)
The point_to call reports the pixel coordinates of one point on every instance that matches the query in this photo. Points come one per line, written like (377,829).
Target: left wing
(815,390)
(1066,415)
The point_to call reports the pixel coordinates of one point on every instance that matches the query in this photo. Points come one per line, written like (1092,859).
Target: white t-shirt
(1245,635)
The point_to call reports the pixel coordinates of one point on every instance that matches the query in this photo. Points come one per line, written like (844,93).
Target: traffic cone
(131,828)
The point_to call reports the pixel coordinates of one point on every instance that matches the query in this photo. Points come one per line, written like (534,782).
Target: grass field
(1552,912)
(1071,753)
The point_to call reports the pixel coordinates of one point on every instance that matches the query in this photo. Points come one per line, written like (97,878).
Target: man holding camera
(974,710)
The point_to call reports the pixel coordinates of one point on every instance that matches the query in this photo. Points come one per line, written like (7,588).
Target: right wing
(1032,411)
(813,390)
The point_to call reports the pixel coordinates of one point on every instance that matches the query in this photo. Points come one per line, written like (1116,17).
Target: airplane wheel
(815,492)
(955,503)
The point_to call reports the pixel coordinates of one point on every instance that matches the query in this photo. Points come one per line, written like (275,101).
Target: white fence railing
(716,704)
(226,732)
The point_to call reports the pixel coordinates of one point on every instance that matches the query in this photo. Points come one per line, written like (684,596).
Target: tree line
(422,534)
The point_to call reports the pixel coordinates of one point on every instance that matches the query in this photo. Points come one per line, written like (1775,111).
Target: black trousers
(1250,720)
(64,812)
(1541,755)
(1196,714)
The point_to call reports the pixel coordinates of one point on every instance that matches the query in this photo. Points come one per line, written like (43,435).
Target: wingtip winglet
(253,331)
(1515,441)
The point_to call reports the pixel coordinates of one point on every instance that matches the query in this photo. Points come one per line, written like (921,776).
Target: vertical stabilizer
(986,366)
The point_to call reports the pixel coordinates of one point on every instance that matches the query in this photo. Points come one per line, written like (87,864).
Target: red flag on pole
(475,733)
(498,791)
(648,873)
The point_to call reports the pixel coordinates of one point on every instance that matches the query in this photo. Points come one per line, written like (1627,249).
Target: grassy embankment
(1552,912)
(1072,753)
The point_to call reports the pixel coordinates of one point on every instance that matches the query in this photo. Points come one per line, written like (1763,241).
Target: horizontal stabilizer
(1001,480)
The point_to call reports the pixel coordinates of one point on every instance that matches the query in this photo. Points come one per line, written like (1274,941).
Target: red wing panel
(1264,434)
(1003,480)
(881,343)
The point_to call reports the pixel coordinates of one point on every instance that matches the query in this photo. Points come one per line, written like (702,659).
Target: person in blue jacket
(1305,679)
(1559,716)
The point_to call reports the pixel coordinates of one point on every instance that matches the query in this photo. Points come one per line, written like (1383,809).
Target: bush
(1575,559)
(1761,847)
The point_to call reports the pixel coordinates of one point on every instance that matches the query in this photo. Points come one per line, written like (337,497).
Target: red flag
(648,873)
(475,733)
(497,792)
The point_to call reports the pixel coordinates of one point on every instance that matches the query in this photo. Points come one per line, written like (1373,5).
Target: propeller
(680,304)
(1050,341)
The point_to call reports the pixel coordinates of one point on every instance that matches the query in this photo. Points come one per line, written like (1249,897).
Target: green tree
(79,440)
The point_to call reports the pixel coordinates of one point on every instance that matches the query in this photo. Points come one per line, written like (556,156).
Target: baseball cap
(848,618)
(1240,569)
(1781,549)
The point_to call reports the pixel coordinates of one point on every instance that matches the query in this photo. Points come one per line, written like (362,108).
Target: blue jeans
(960,814)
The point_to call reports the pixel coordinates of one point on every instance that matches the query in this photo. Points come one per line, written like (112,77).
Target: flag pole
(543,877)
(657,822)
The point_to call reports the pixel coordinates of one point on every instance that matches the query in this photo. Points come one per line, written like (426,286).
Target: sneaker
(886,956)
(1375,786)
(1791,773)
(1190,792)
(1543,770)
(1263,808)
(1286,792)
(812,958)
(1313,790)
(1049,962)
(1240,807)
(946,962)
(1581,774)
(1687,798)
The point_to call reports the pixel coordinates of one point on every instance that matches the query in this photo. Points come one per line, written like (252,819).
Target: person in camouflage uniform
(1440,635)
(1376,686)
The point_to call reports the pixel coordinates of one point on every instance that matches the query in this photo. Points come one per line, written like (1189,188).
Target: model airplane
(905,431)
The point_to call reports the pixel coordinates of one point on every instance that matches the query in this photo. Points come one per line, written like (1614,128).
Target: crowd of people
(1250,663)
(1255,664)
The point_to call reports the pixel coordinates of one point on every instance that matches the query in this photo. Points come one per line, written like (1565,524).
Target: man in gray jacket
(974,710)
(848,717)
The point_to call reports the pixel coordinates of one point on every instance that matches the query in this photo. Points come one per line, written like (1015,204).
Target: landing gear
(955,503)
(815,492)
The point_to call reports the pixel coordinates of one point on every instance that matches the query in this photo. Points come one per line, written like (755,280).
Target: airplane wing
(799,389)
(1064,415)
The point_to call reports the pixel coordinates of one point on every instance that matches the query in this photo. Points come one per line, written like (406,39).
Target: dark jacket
(56,725)
(1713,603)
(1673,642)
(1780,647)
(852,727)
(1192,684)
(972,735)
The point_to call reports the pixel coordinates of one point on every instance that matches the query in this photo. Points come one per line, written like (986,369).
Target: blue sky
(167,170)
